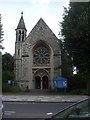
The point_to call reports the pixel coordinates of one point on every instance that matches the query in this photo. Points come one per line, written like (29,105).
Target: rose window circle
(41,55)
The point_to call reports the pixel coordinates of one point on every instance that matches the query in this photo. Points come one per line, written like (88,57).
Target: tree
(1,34)
(75,31)
(7,62)
(7,70)
(66,66)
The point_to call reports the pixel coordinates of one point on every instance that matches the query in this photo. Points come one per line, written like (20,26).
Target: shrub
(79,92)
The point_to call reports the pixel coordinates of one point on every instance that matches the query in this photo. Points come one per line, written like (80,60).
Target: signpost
(60,83)
(65,85)
(10,83)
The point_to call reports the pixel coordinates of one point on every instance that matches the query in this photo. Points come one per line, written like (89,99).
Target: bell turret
(21,30)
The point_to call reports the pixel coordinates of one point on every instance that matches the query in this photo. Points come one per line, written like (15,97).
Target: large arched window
(41,54)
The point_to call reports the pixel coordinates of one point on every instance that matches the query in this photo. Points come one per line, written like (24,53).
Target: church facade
(36,56)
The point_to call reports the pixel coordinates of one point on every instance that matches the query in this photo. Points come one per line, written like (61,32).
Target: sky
(50,11)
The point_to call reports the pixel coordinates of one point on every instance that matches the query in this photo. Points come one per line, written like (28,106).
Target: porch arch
(41,79)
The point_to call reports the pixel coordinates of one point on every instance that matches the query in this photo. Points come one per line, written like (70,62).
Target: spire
(21,24)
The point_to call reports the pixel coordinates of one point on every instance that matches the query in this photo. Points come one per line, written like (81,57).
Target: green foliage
(7,62)
(75,31)
(15,89)
(59,67)
(7,75)
(67,69)
(79,92)
(7,70)
(12,89)
(77,81)
(5,87)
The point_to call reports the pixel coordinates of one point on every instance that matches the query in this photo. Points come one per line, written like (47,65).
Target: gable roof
(41,26)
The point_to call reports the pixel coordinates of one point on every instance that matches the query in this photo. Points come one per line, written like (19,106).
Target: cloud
(49,10)
(9,1)
(26,1)
(79,0)
(40,1)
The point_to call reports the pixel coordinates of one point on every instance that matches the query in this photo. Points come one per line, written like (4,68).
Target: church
(37,55)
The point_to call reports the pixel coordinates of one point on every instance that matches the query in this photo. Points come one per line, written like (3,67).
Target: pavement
(43,98)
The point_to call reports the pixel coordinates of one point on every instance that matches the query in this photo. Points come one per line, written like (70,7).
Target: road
(31,110)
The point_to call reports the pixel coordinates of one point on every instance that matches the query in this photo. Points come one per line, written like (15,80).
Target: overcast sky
(50,10)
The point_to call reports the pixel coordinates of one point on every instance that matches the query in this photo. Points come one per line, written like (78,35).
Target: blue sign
(60,82)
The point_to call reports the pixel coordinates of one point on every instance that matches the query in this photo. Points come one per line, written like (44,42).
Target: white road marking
(49,113)
(9,112)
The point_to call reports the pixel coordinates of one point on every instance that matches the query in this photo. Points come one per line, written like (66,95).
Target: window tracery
(41,55)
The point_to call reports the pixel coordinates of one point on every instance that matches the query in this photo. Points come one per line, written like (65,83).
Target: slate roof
(21,24)
(41,28)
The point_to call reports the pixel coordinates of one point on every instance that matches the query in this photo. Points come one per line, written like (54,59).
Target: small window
(19,37)
(22,35)
(20,32)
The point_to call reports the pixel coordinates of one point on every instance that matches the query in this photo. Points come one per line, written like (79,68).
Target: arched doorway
(45,82)
(37,82)
(41,79)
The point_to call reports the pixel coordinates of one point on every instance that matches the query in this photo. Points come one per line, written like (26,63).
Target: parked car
(79,110)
